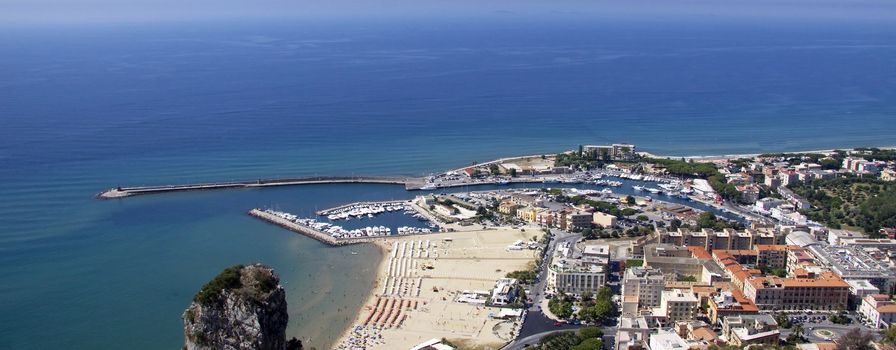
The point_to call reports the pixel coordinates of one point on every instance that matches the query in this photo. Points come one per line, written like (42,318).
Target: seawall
(121,192)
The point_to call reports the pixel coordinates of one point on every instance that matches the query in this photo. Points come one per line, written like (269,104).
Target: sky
(55,12)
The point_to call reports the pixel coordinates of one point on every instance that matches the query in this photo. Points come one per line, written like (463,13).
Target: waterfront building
(505,291)
(743,330)
(618,151)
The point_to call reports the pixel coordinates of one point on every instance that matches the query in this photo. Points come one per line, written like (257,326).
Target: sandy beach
(710,158)
(418,279)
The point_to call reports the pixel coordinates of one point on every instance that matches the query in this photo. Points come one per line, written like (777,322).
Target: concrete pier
(122,192)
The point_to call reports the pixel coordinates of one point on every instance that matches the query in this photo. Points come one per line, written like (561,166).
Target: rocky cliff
(244,307)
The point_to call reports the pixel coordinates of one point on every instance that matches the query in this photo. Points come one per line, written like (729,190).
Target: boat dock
(411,183)
(355,204)
(308,231)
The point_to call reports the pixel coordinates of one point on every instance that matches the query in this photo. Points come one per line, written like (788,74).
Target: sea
(90,107)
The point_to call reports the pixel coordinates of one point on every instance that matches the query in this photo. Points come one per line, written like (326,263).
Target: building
(642,288)
(505,291)
(765,205)
(825,292)
(573,272)
(433,344)
(617,151)
(672,259)
(632,333)
(596,253)
(727,239)
(751,329)
(773,256)
(729,302)
(665,340)
(677,305)
(888,175)
(854,263)
(579,220)
(508,208)
(859,289)
(835,237)
(603,219)
(878,310)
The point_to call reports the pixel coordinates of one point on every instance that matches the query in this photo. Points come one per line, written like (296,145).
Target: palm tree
(796,334)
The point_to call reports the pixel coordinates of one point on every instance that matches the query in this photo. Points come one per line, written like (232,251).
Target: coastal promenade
(410,183)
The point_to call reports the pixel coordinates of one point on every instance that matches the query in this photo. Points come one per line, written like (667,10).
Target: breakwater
(410,183)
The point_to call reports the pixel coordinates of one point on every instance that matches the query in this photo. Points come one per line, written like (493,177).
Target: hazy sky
(98,11)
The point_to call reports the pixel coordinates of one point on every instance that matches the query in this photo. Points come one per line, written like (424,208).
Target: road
(537,325)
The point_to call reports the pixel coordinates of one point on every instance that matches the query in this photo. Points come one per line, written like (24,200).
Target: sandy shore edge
(371,294)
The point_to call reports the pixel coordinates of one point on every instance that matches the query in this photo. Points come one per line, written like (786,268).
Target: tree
(493,169)
(590,332)
(589,344)
(706,220)
(855,339)
(890,334)
(629,200)
(561,306)
(796,335)
(512,172)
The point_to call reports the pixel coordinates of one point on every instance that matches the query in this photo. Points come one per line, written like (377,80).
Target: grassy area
(634,263)
(859,204)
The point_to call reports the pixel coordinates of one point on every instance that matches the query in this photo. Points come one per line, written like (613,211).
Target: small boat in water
(354,253)
(504,182)
(550,181)
(638,188)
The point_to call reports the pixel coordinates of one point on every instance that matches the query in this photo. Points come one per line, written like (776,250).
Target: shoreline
(752,155)
(371,294)
(410,182)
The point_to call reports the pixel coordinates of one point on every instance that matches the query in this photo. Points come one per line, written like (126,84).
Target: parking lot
(817,326)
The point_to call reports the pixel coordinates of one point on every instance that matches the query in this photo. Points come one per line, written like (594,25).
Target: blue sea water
(87,108)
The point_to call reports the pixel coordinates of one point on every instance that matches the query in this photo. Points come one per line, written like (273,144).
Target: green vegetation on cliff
(228,279)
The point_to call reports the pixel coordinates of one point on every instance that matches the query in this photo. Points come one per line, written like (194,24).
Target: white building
(677,305)
(878,310)
(632,333)
(505,291)
(574,272)
(666,340)
(642,288)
